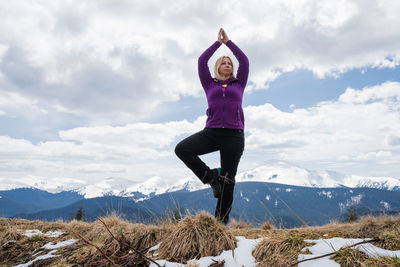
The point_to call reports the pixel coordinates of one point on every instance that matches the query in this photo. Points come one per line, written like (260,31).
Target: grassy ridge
(112,241)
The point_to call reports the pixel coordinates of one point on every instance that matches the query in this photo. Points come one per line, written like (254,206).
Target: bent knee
(178,149)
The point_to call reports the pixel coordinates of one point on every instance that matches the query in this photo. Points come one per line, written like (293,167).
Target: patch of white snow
(54,234)
(374,251)
(325,246)
(30,233)
(385,204)
(327,194)
(65,243)
(43,257)
(241,256)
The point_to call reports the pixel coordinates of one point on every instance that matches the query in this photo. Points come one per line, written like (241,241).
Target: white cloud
(19,105)
(108,66)
(360,125)
(119,62)
(358,129)
(133,151)
(374,155)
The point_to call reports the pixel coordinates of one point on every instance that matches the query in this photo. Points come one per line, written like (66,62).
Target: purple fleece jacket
(224,108)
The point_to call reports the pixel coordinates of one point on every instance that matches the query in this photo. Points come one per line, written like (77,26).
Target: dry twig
(333,253)
(94,245)
(134,249)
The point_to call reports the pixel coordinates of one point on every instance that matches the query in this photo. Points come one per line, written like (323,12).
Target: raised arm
(243,69)
(204,71)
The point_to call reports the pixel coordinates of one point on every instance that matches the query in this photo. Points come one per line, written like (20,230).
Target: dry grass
(385,228)
(251,233)
(192,263)
(350,257)
(279,250)
(130,236)
(125,237)
(234,224)
(193,237)
(267,226)
(196,237)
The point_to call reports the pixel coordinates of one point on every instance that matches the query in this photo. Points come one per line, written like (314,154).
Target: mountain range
(278,191)
(272,171)
(255,202)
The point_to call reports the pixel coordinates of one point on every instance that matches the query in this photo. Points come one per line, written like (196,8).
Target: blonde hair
(218,63)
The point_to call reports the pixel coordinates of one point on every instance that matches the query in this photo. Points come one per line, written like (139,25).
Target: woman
(224,126)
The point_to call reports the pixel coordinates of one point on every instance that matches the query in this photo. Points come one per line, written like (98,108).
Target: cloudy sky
(100,88)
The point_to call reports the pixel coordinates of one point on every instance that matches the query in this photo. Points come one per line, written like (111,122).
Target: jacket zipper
(223,105)
(223,111)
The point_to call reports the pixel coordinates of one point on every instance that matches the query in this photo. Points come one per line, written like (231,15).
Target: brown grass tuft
(192,263)
(196,237)
(279,250)
(373,226)
(389,240)
(240,225)
(10,233)
(267,226)
(192,237)
(349,257)
(125,237)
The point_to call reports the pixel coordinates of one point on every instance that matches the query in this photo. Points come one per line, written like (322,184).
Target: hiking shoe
(215,183)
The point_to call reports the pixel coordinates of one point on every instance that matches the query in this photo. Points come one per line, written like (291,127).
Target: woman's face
(226,67)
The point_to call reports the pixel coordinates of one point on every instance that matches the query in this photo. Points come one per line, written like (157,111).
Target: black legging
(230,143)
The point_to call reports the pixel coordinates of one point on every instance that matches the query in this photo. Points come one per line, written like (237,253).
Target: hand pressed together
(222,36)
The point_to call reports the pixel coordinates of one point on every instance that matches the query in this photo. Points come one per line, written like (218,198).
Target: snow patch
(43,257)
(245,198)
(325,246)
(328,194)
(49,246)
(142,199)
(30,233)
(65,243)
(373,251)
(241,256)
(355,200)
(54,234)
(385,204)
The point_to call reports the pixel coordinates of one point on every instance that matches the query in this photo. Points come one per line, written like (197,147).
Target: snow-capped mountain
(285,173)
(273,171)
(188,184)
(386,183)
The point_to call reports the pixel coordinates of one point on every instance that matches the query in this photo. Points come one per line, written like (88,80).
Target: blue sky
(300,88)
(107,88)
